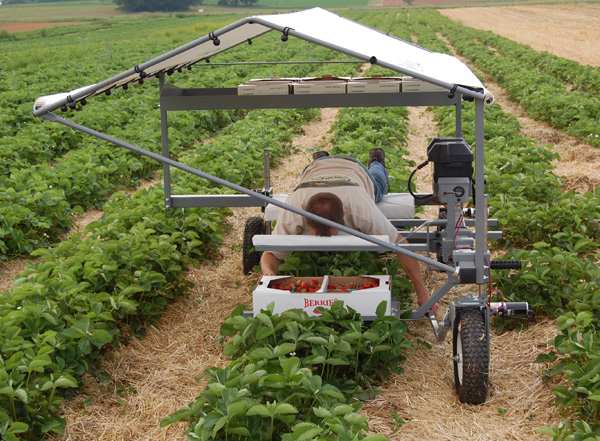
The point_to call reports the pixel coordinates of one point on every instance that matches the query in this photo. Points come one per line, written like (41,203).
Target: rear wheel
(471,355)
(250,258)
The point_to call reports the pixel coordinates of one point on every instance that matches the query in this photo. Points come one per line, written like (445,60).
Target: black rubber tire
(471,355)
(250,258)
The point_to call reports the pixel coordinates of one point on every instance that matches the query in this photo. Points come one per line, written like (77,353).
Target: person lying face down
(343,190)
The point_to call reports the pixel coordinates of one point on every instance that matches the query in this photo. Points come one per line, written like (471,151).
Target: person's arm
(269,264)
(413,270)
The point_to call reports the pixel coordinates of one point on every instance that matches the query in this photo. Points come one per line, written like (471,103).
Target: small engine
(452,160)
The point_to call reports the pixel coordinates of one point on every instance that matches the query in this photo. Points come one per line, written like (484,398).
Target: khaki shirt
(348,181)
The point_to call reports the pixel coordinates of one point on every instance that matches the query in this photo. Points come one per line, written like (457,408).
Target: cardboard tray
(374,84)
(266,86)
(364,301)
(410,84)
(326,84)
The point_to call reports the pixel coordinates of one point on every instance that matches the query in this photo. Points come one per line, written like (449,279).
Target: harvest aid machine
(454,244)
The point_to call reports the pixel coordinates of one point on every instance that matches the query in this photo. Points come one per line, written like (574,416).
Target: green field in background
(95,9)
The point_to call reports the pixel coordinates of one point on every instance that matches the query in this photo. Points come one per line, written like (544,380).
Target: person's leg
(378,174)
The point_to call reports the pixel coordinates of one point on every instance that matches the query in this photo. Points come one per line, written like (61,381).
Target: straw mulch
(424,395)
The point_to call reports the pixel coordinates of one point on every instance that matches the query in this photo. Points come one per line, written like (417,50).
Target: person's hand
(269,264)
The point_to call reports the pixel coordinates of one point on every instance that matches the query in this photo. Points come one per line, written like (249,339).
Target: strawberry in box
(350,284)
(297,285)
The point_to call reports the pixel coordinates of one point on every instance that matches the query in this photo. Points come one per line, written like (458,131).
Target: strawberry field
(289,376)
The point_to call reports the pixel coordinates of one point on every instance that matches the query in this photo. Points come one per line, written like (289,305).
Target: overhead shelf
(174,98)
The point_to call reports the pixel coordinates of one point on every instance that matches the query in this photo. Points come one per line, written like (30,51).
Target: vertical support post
(267,165)
(267,184)
(458,106)
(165,147)
(481,209)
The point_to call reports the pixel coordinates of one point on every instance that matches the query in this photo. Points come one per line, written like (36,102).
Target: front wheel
(250,258)
(471,355)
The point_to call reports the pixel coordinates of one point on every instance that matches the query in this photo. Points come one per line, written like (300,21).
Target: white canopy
(314,25)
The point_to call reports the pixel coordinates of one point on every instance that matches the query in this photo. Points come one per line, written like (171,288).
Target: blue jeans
(376,171)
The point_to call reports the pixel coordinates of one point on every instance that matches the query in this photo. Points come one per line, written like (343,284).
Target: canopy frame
(173,99)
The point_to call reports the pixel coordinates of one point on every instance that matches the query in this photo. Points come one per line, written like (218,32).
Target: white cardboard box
(364,301)
(272,86)
(324,85)
(373,85)
(410,84)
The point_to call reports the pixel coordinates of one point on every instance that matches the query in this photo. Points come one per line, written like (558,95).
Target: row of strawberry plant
(544,96)
(295,377)
(559,235)
(36,215)
(64,312)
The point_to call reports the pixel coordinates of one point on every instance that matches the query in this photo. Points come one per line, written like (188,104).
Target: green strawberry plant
(294,376)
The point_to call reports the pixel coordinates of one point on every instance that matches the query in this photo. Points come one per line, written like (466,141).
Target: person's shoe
(377,154)
(320,154)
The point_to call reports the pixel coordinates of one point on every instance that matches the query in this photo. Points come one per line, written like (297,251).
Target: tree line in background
(148,5)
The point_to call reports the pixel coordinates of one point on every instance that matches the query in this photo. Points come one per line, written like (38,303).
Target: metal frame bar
(481,219)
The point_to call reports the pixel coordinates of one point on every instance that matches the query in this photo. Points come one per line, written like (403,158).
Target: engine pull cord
(429,196)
